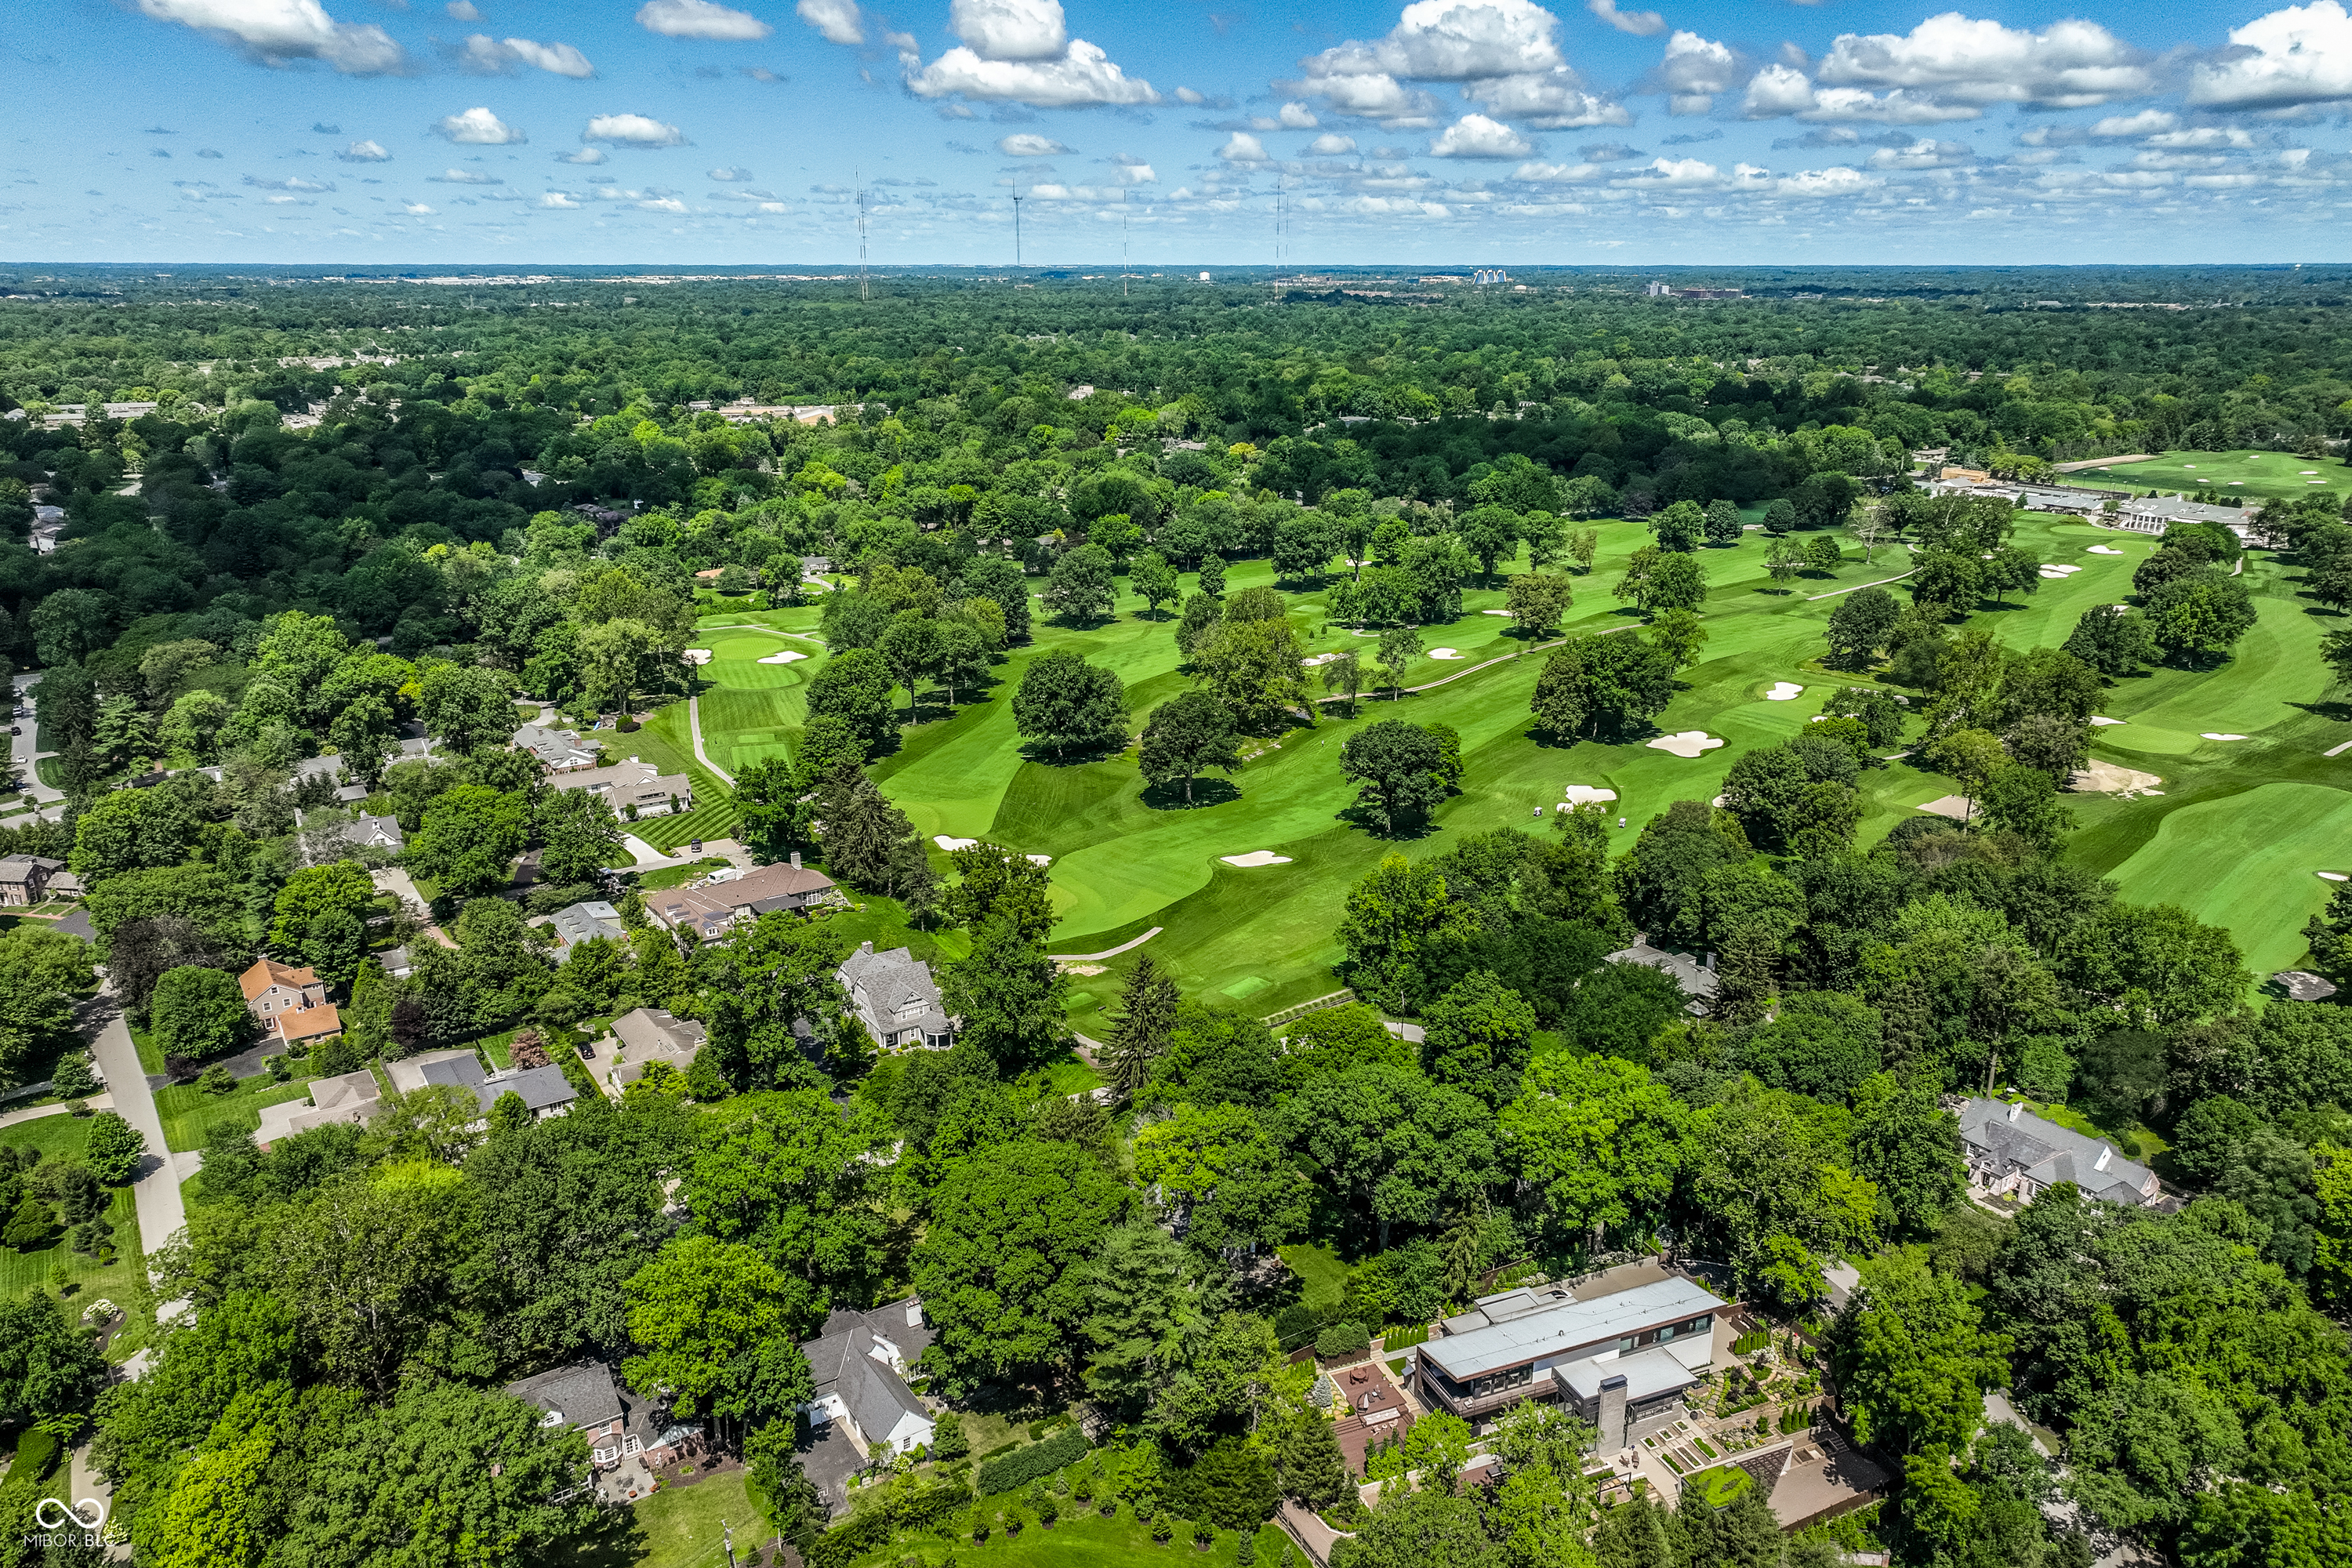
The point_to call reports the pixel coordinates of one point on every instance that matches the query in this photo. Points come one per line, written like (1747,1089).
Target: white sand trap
(1952,805)
(1782,691)
(2307,471)
(1716,803)
(2105,550)
(1311,660)
(698,656)
(2315,481)
(1447,653)
(1588,794)
(2106,778)
(1818,718)
(2104,720)
(1255,857)
(1505,614)
(2237,481)
(1041,859)
(2191,466)
(2334,877)
(2217,735)
(1689,743)
(787,656)
(952,845)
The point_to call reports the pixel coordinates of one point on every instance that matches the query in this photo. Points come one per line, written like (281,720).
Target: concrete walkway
(161,1214)
(693,728)
(394,879)
(103,1100)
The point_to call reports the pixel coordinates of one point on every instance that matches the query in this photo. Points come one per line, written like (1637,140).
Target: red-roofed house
(283,997)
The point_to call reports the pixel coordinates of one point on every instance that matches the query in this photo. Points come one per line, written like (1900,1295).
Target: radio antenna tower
(1016,226)
(862,292)
(1122,245)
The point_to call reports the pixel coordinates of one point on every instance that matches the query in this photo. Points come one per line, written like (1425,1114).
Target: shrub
(948,1439)
(72,1077)
(1342,1341)
(1162,1529)
(1401,1337)
(1204,1533)
(218,1079)
(1024,1465)
(1049,1510)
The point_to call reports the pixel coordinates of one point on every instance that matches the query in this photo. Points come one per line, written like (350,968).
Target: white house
(860,1362)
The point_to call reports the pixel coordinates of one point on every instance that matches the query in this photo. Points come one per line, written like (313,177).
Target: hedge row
(1022,1466)
(871,1531)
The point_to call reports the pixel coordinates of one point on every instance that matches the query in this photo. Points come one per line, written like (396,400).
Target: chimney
(796,860)
(867,948)
(1612,1414)
(2015,1112)
(2105,1154)
(1709,965)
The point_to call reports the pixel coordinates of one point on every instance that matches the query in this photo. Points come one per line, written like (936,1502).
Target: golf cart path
(694,729)
(1106,953)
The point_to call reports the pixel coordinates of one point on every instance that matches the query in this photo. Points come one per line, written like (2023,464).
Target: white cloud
(1331,144)
(277,31)
(2146,122)
(724,175)
(1476,136)
(417,209)
(1641,24)
(1695,70)
(1452,40)
(2070,65)
(1836,181)
(1299,117)
(1084,75)
(479,128)
(558,199)
(837,21)
(1186,95)
(1243,148)
(485,55)
(1674,175)
(1029,144)
(1776,90)
(662,205)
(292,182)
(1374,95)
(1901,107)
(1011,29)
(2300,55)
(1548,101)
(465,177)
(633,130)
(364,152)
(1928,154)
(701,19)
(2204,136)
(463,11)
(1557,173)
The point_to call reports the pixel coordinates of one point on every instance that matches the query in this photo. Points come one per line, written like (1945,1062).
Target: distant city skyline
(1490,132)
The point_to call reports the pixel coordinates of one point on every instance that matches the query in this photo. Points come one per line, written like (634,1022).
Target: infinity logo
(53,1514)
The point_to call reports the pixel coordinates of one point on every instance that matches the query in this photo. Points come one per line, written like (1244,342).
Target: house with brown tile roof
(277,995)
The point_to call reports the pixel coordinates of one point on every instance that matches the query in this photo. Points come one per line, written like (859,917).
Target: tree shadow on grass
(2337,713)
(1206,793)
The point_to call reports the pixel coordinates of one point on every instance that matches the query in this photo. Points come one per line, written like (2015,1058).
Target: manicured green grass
(1081,1542)
(188,1112)
(683,1527)
(58,1138)
(2247,862)
(676,875)
(2210,476)
(1718,1485)
(1322,1275)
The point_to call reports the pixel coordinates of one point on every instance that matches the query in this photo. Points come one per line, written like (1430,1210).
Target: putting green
(2248,862)
(2243,473)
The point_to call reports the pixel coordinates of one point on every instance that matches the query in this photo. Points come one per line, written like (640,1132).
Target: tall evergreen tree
(1140,1033)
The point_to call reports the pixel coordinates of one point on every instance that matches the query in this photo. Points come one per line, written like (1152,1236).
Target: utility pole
(1016,226)
(862,292)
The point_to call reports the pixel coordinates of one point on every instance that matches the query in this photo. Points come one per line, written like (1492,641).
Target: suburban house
(646,1036)
(583,1397)
(728,897)
(562,750)
(290,1003)
(896,999)
(1617,1356)
(860,1362)
(351,1097)
(2012,1153)
(362,832)
(26,878)
(633,788)
(544,1090)
(1697,979)
(576,923)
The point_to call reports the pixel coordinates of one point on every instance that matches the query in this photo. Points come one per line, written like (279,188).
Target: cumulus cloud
(560,201)
(417,209)
(725,176)
(1641,24)
(583,155)
(1186,95)
(1244,148)
(2293,56)
(1925,154)
(1452,40)
(2204,136)
(2146,122)
(1134,172)
(1693,72)
(465,177)
(1298,117)
(1028,144)
(479,128)
(1083,75)
(1331,144)
(278,31)
(364,152)
(661,204)
(1973,60)
(836,21)
(463,11)
(1548,101)
(633,131)
(701,19)
(1556,174)
(1011,29)
(293,183)
(1835,180)
(1476,136)
(485,55)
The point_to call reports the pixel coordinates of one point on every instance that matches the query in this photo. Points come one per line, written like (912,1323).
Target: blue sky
(678,132)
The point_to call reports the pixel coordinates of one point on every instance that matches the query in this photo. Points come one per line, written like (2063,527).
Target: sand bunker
(1782,691)
(1505,614)
(1952,805)
(1586,795)
(1311,660)
(2334,877)
(944,842)
(1255,857)
(2307,471)
(698,656)
(2106,778)
(1447,653)
(787,656)
(1689,743)
(2105,550)
(2217,735)
(1040,859)
(2104,720)
(2057,572)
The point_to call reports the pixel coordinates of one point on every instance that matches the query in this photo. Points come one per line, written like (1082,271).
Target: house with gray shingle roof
(860,1362)
(896,999)
(1697,979)
(2013,1153)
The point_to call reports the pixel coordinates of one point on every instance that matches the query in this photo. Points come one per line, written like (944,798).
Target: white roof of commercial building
(1570,1325)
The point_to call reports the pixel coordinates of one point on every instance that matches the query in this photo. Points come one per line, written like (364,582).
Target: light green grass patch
(2206,476)
(2246,862)
(188,1112)
(1322,1275)
(1083,1541)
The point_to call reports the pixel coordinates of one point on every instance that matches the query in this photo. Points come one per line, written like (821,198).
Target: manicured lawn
(2213,476)
(65,1137)
(1071,1076)
(1718,1484)
(188,1112)
(1322,1277)
(1079,1542)
(683,1527)
(676,875)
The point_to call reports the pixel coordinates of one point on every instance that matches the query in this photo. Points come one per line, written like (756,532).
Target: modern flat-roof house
(860,1362)
(26,879)
(2012,1153)
(576,923)
(896,999)
(582,1396)
(727,899)
(351,1097)
(632,784)
(646,1036)
(1546,1343)
(544,1090)
(290,1003)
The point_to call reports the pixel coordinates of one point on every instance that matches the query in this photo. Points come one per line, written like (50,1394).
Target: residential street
(162,1216)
